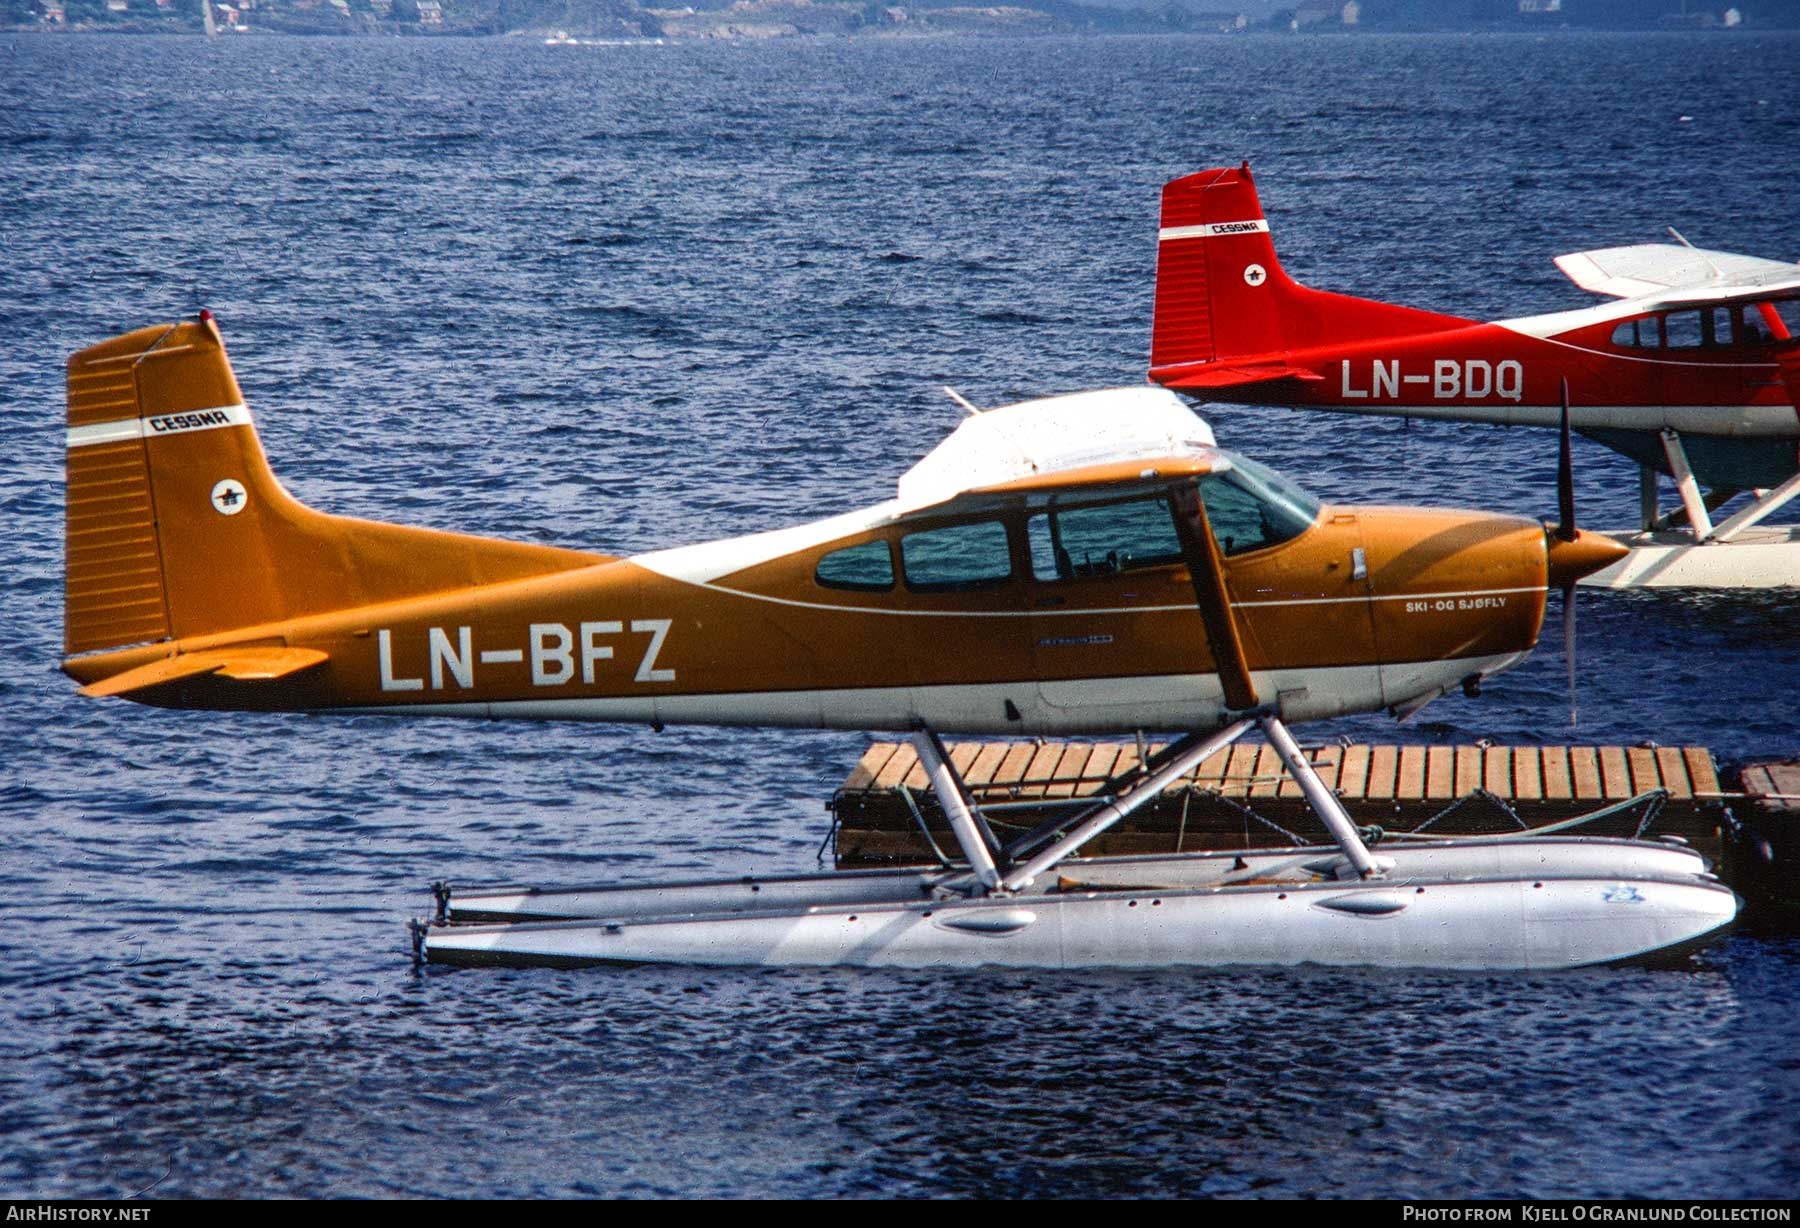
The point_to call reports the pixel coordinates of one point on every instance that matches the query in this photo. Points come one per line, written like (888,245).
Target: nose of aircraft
(1582,555)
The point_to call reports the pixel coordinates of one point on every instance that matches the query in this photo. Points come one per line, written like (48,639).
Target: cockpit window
(1766,323)
(1252,507)
(1683,330)
(1719,327)
(866,568)
(1249,506)
(1069,543)
(956,557)
(1645,333)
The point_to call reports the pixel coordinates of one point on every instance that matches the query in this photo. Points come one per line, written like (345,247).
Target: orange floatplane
(1086,563)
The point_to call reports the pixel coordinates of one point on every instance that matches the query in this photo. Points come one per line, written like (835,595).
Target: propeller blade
(1565,476)
(1568,596)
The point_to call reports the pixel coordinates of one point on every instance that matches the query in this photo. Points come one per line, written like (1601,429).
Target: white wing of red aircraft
(1693,372)
(1084,563)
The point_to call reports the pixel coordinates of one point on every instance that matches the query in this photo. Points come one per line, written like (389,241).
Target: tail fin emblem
(1255,274)
(229,497)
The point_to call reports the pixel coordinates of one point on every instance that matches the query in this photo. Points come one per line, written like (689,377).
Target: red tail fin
(1222,297)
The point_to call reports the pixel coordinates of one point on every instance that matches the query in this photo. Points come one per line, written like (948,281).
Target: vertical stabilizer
(1223,297)
(176,527)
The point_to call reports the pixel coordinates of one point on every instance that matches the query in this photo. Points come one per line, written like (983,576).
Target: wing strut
(1206,570)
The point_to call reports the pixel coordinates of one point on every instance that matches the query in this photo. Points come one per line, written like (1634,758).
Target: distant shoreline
(997,29)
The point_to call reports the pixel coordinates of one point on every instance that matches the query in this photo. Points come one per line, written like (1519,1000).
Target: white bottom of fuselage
(1090,706)
(1764,556)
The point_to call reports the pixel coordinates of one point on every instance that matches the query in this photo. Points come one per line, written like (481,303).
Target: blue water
(628,297)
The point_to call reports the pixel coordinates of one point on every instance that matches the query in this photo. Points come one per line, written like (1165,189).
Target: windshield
(1251,506)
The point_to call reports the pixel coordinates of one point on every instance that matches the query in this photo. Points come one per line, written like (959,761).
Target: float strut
(1177,766)
(1766,503)
(1323,801)
(1698,517)
(963,821)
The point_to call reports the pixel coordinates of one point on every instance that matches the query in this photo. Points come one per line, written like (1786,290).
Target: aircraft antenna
(960,399)
(1718,274)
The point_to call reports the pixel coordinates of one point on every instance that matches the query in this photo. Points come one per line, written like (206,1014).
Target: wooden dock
(1763,861)
(1242,798)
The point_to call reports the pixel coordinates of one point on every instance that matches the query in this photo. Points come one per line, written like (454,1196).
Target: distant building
(53,13)
(431,13)
(1348,13)
(115,6)
(1540,6)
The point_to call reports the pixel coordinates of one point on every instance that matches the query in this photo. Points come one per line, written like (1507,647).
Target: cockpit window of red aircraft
(1748,326)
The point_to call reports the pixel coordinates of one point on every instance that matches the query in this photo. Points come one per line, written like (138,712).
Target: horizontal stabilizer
(1673,275)
(1230,375)
(240,664)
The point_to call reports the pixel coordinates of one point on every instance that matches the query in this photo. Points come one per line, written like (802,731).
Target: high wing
(1668,275)
(1114,438)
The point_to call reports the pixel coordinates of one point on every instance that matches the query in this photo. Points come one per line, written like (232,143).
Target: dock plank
(1069,770)
(1269,773)
(870,765)
(1211,772)
(1036,777)
(1468,769)
(1440,773)
(1102,766)
(1528,774)
(1012,767)
(1496,769)
(916,776)
(1701,770)
(1615,773)
(1327,762)
(898,765)
(1559,786)
(1239,770)
(1383,764)
(1673,769)
(1409,780)
(1353,779)
(1584,766)
(981,772)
